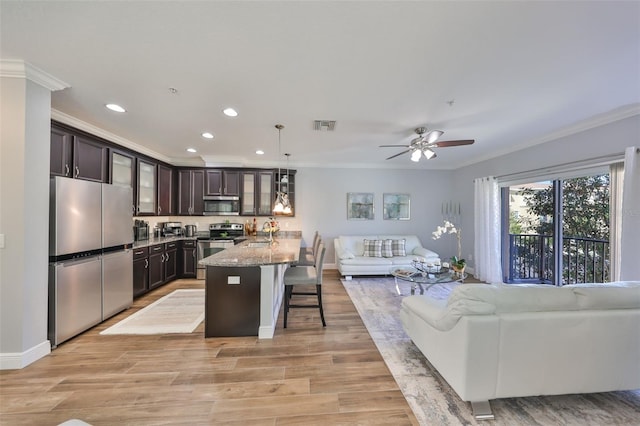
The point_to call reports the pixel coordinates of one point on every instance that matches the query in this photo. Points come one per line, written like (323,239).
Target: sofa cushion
(372,248)
(355,244)
(518,297)
(368,261)
(443,315)
(614,295)
(387,248)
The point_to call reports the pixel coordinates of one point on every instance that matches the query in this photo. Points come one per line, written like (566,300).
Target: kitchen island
(244,287)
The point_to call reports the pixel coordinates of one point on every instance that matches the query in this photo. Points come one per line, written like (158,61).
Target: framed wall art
(396,206)
(360,206)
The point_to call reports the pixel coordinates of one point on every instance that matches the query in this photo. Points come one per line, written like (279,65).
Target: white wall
(24,210)
(600,141)
(321,204)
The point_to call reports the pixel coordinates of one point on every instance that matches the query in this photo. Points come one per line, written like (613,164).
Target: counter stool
(308,254)
(305,276)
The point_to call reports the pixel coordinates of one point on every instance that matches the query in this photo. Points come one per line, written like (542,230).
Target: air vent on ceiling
(325,125)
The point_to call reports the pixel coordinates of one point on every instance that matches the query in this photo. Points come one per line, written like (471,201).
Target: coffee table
(424,278)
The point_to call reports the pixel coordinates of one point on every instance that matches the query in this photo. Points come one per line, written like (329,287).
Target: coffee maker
(172,229)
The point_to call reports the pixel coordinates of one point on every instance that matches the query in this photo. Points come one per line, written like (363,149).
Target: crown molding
(90,128)
(17,68)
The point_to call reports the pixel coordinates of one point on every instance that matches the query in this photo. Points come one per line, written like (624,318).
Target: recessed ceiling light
(260,152)
(230,112)
(115,107)
(191,150)
(207,135)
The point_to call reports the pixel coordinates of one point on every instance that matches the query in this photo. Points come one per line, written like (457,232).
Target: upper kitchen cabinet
(190,192)
(123,172)
(165,191)
(285,183)
(61,158)
(248,206)
(222,182)
(77,156)
(146,188)
(264,193)
(123,169)
(89,159)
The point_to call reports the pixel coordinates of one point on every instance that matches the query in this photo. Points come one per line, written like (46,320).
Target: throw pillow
(397,246)
(387,248)
(373,248)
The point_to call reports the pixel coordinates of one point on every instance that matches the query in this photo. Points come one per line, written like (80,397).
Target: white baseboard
(18,360)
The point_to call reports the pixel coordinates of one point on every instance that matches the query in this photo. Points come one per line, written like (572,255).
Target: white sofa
(500,341)
(350,258)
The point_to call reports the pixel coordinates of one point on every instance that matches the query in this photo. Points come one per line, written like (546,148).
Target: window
(569,214)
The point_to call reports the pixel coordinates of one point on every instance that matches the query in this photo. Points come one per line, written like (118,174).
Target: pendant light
(278,206)
(285,195)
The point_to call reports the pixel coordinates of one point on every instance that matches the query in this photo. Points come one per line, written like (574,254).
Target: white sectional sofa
(351,259)
(500,341)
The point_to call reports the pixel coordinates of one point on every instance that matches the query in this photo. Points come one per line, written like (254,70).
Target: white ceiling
(518,73)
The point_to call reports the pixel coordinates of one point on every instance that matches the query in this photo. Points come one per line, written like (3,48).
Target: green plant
(458,263)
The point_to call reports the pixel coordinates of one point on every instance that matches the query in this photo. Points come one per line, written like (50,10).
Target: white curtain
(487,266)
(630,235)
(616,172)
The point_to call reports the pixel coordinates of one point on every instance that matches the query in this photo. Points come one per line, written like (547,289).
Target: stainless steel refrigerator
(90,256)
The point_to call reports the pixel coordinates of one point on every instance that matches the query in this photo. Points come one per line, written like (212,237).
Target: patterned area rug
(178,312)
(432,399)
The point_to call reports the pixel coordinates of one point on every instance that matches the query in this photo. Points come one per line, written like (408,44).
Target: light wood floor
(306,374)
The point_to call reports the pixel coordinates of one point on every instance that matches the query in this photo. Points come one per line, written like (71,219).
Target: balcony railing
(532,260)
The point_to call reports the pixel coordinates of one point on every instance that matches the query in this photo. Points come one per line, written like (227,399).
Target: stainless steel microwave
(221,205)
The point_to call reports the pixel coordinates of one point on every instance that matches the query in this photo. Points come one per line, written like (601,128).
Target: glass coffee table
(425,277)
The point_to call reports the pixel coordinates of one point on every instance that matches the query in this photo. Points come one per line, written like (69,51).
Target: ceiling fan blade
(398,154)
(444,144)
(394,146)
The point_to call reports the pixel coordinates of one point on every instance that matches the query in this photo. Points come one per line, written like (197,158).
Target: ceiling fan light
(433,135)
(415,155)
(428,153)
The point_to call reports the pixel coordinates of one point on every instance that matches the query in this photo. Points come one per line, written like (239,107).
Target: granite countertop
(256,251)
(161,240)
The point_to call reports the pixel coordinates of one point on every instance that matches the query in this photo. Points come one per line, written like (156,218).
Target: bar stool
(305,276)
(308,254)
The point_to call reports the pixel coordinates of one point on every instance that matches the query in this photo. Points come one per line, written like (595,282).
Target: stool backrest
(319,257)
(316,243)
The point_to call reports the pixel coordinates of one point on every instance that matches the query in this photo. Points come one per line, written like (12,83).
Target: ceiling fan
(424,142)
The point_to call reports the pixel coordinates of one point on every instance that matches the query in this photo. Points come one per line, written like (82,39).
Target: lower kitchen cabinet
(188,259)
(170,261)
(140,271)
(156,265)
(161,263)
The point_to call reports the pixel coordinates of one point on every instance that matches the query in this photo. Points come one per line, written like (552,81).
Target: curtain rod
(589,162)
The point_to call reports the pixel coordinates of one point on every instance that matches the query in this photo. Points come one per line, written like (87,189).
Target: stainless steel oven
(205,249)
(220,237)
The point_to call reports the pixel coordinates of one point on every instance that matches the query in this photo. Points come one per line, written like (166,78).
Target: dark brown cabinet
(223,182)
(191,192)
(140,271)
(170,261)
(77,156)
(165,191)
(285,183)
(145,187)
(188,259)
(156,265)
(61,159)
(89,159)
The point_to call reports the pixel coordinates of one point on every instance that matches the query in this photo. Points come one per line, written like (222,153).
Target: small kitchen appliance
(190,230)
(140,230)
